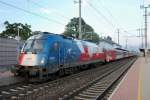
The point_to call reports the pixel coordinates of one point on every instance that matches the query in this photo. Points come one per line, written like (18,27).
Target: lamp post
(18,31)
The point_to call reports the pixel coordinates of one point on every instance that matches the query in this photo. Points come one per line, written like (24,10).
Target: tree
(72,29)
(92,37)
(11,30)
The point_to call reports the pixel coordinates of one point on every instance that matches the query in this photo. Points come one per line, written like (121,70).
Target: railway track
(99,88)
(58,89)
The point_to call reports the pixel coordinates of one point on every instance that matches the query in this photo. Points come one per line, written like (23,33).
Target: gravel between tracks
(70,83)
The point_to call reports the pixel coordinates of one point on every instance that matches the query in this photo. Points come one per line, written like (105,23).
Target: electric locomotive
(45,54)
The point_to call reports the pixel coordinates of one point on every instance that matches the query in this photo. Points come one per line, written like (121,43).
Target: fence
(8,52)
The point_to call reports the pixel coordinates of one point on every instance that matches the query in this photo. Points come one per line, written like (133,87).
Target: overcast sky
(112,14)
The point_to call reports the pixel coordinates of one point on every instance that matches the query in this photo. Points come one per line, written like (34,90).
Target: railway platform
(135,84)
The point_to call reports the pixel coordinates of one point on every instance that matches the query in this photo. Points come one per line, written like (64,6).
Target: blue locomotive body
(47,53)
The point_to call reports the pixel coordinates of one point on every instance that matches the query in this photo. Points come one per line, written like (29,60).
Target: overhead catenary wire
(99,13)
(39,5)
(109,22)
(106,19)
(109,12)
(32,13)
(113,17)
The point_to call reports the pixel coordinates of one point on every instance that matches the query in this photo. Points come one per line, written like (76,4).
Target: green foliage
(92,37)
(87,31)
(11,30)
(72,27)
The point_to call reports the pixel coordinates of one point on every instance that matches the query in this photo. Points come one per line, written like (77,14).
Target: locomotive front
(33,57)
(33,53)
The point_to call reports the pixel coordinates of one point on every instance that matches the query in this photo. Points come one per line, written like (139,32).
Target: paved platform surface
(145,80)
(136,83)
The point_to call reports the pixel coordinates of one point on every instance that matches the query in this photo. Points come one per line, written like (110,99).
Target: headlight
(43,60)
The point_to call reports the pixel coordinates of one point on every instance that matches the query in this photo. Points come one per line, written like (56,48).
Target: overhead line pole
(145,15)
(145,27)
(140,36)
(126,43)
(118,35)
(18,39)
(140,30)
(80,23)
(142,39)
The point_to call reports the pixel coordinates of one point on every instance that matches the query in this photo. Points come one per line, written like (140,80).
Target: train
(47,54)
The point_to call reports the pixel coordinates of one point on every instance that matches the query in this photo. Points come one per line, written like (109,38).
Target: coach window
(54,47)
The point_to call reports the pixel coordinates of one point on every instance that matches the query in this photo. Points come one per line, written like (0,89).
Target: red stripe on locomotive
(21,56)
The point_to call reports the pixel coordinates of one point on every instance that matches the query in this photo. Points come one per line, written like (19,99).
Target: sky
(105,16)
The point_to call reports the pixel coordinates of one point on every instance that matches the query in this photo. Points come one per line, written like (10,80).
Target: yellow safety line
(139,89)
(140,82)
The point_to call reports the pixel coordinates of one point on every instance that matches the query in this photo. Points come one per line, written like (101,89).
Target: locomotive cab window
(36,45)
(27,45)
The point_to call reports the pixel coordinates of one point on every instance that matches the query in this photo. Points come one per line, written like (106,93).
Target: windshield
(34,46)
